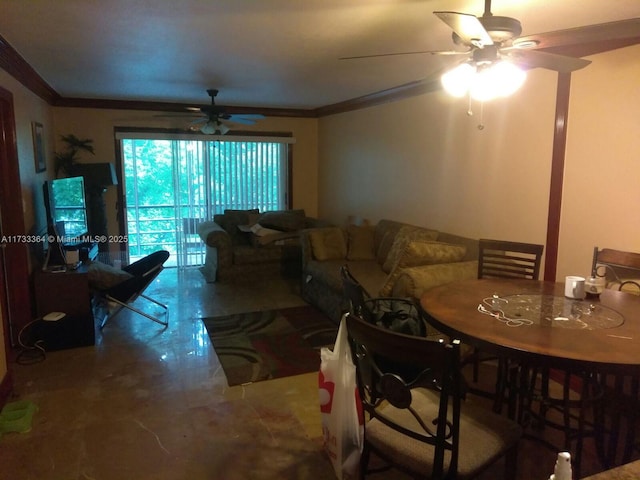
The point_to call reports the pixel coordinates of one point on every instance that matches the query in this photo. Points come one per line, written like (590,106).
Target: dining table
(532,323)
(628,471)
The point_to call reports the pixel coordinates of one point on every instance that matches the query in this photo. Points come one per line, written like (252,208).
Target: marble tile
(148,402)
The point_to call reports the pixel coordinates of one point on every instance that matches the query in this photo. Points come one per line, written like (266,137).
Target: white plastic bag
(340,407)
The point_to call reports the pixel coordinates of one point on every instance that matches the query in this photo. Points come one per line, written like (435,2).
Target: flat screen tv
(66,207)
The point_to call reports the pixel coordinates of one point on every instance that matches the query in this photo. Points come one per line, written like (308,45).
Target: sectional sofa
(389,259)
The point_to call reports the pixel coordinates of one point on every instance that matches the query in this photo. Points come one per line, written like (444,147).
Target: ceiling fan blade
(180,115)
(419,52)
(590,34)
(550,61)
(199,120)
(245,119)
(467,27)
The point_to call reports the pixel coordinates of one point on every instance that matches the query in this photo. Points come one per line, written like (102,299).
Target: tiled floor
(153,403)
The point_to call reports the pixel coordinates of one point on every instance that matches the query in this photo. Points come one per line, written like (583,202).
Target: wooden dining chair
(418,421)
(621,391)
(620,269)
(503,259)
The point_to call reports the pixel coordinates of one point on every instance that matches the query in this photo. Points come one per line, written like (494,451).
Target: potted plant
(65,160)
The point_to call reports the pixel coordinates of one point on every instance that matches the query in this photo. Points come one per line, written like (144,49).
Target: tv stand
(68,292)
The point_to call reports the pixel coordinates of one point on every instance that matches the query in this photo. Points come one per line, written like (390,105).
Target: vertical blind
(172,184)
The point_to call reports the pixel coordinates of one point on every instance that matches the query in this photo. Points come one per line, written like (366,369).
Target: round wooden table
(533,321)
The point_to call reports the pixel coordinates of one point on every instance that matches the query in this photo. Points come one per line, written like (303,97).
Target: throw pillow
(240,216)
(385,246)
(230,221)
(361,243)
(283,220)
(405,235)
(101,276)
(417,253)
(328,243)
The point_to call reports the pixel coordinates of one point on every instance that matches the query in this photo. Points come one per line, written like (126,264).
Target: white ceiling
(261,53)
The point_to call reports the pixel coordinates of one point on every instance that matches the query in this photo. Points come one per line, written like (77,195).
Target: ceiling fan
(489,42)
(216,120)
(490,37)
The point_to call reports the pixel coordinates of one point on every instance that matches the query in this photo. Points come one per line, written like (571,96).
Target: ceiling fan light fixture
(213,127)
(458,80)
(485,81)
(208,128)
(508,77)
(223,129)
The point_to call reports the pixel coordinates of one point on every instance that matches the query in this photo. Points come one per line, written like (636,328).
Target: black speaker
(96,175)
(70,331)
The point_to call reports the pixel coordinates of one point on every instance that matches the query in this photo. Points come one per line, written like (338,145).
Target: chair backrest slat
(506,259)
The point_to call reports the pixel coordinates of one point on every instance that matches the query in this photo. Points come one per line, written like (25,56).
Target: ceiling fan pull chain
(481,123)
(469,109)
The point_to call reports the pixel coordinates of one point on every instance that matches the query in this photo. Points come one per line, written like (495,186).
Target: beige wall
(601,204)
(424,161)
(98,125)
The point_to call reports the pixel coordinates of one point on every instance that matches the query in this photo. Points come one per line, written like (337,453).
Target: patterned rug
(258,346)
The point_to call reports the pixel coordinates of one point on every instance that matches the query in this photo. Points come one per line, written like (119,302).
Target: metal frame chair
(143,272)
(412,389)
(616,265)
(622,392)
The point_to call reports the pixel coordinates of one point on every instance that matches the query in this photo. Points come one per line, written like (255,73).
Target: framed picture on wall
(38,147)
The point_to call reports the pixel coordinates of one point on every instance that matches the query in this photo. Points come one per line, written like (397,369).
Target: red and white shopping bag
(340,407)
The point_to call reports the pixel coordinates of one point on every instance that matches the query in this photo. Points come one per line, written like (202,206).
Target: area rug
(269,344)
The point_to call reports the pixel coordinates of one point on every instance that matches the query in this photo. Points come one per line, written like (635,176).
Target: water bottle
(562,470)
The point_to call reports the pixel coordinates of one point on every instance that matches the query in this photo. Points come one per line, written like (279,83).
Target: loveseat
(389,259)
(247,244)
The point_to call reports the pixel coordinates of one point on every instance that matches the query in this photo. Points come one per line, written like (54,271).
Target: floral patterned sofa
(244,244)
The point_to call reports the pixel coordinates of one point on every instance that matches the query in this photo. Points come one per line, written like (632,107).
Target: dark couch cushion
(283,220)
(102,276)
(230,221)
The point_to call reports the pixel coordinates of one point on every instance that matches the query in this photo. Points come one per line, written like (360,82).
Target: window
(174,182)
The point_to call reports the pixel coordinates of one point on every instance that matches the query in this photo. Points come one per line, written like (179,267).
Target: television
(66,206)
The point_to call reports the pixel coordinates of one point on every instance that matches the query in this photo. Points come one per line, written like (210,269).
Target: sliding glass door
(173,184)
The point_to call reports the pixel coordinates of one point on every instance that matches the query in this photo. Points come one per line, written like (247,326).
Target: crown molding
(400,92)
(175,107)
(18,68)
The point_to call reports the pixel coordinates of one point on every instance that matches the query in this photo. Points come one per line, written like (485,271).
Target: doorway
(15,291)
